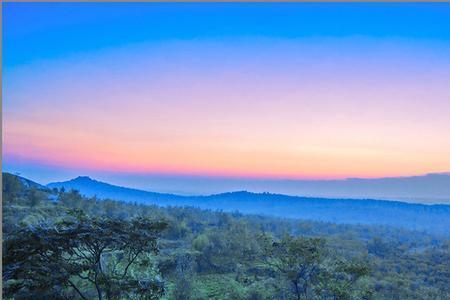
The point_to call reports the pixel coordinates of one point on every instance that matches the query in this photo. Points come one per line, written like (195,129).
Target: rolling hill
(430,218)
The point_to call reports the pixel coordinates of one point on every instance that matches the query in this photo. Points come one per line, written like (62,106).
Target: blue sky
(225,90)
(34,31)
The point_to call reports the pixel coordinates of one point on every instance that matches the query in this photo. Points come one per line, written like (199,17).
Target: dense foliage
(58,244)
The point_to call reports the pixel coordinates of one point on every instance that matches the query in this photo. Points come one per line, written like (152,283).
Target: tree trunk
(297,290)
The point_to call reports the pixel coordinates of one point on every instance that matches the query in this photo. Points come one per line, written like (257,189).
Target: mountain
(431,218)
(433,188)
(25,182)
(430,188)
(90,188)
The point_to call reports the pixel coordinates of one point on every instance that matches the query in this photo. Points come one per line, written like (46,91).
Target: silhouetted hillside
(90,187)
(427,189)
(432,218)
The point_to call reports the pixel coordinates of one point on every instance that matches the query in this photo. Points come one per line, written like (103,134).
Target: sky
(225,90)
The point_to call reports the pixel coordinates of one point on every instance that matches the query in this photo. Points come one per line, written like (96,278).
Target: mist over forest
(431,218)
(61,244)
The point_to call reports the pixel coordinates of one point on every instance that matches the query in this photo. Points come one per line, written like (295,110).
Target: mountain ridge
(87,180)
(92,187)
(433,218)
(429,188)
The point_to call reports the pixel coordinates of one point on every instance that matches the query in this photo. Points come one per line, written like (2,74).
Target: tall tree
(92,256)
(297,259)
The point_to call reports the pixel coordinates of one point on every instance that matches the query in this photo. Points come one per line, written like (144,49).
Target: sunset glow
(246,104)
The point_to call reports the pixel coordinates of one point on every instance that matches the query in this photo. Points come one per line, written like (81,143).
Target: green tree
(338,280)
(297,259)
(11,187)
(36,196)
(183,277)
(92,256)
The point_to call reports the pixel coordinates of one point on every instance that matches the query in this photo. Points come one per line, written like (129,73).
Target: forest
(58,244)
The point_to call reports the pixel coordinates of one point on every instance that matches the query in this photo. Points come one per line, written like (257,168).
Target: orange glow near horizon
(367,115)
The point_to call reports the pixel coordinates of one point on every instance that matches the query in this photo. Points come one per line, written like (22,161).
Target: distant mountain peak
(432,218)
(431,188)
(91,187)
(438,174)
(84,178)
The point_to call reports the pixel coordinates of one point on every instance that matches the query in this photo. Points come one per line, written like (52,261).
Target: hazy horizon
(431,188)
(225,92)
